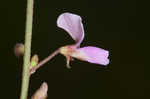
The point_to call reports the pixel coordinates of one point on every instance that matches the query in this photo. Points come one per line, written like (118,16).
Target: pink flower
(73,25)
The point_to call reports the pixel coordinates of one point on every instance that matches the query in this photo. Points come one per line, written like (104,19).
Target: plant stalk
(27,54)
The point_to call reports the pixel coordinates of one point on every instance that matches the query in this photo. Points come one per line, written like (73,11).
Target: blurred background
(119,26)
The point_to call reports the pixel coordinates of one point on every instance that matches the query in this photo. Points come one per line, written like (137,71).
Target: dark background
(119,26)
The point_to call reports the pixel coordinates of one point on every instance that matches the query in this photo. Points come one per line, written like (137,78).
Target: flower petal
(73,25)
(92,55)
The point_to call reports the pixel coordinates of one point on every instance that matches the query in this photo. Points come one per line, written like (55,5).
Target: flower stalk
(27,54)
(41,63)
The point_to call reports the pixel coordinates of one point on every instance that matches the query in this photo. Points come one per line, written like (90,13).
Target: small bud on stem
(19,49)
(34,61)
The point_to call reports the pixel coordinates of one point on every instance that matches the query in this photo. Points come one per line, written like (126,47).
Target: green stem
(27,54)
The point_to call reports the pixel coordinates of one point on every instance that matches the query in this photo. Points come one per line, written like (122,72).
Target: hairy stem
(27,54)
(44,61)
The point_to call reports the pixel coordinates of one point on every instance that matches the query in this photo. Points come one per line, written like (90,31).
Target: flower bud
(19,49)
(41,93)
(34,61)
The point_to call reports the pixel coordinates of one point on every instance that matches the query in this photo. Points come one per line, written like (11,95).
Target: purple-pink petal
(72,23)
(94,55)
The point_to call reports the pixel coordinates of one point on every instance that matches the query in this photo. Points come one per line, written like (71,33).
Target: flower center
(67,50)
